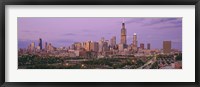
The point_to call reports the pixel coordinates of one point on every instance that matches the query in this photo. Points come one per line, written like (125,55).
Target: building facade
(45,45)
(135,41)
(141,45)
(166,46)
(40,43)
(88,45)
(94,46)
(123,34)
(148,46)
(113,41)
(32,47)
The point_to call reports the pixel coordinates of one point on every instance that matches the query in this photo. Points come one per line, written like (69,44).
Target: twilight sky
(63,31)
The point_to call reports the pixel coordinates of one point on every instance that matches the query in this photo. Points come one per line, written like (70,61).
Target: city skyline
(65,31)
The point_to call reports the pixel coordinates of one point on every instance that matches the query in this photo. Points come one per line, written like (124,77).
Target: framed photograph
(104,43)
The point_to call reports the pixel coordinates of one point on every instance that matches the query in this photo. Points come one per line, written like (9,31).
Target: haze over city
(64,31)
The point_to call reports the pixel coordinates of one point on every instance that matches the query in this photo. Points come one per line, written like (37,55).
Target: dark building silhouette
(40,43)
(148,46)
(142,45)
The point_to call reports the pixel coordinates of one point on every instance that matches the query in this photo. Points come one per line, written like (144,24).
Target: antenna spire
(123,24)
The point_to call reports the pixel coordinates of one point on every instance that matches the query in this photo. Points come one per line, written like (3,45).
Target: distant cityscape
(101,54)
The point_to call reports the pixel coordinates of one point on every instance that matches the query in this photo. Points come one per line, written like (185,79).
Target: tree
(179,57)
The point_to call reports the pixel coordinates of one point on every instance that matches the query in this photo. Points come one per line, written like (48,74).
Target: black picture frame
(98,2)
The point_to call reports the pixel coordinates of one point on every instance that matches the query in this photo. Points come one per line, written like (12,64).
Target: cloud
(159,23)
(69,34)
(134,20)
(26,31)
(155,21)
(65,41)
(170,27)
(33,32)
(89,35)
(177,22)
(109,33)
(163,23)
(88,30)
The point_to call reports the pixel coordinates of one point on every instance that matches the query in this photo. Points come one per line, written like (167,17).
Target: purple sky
(65,31)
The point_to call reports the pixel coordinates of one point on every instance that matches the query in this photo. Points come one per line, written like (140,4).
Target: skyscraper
(50,47)
(40,43)
(94,46)
(84,45)
(102,39)
(101,46)
(121,47)
(88,46)
(123,34)
(32,46)
(142,45)
(135,40)
(45,46)
(166,46)
(148,46)
(77,45)
(72,47)
(105,46)
(113,41)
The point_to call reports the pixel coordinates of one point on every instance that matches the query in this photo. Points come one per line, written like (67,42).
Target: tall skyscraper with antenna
(123,34)
(40,43)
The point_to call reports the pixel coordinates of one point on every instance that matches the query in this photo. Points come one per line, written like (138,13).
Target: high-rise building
(135,41)
(40,43)
(123,34)
(148,46)
(121,47)
(141,45)
(84,45)
(166,46)
(72,47)
(102,39)
(50,47)
(113,41)
(32,46)
(77,45)
(100,46)
(38,48)
(45,46)
(105,46)
(88,45)
(94,46)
